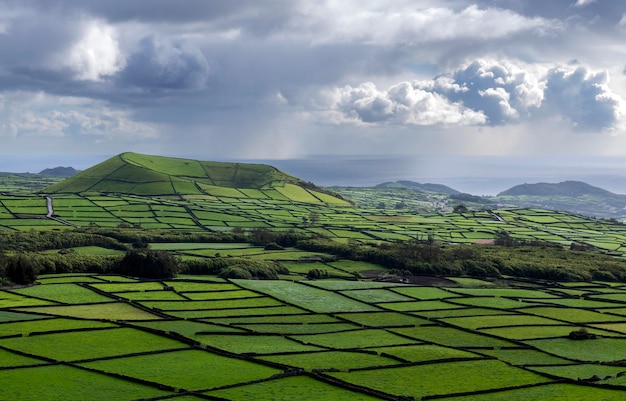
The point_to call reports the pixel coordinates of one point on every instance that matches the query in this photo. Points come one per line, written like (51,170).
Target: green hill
(144,175)
(427,187)
(565,188)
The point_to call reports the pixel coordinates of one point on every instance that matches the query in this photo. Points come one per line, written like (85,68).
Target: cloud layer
(286,78)
(484,92)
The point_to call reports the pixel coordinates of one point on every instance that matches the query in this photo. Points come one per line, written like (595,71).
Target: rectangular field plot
(220,313)
(309,318)
(64,293)
(375,295)
(150,295)
(340,360)
(187,328)
(109,311)
(223,295)
(355,339)
(44,325)
(581,371)
(478,322)
(10,359)
(188,369)
(451,337)
(425,293)
(79,345)
(11,300)
(425,352)
(573,315)
(51,383)
(383,319)
(442,378)
(502,292)
(560,392)
(524,356)
(341,285)
(253,343)
(133,285)
(418,306)
(256,302)
(600,349)
(290,389)
(307,297)
(286,329)
(7,316)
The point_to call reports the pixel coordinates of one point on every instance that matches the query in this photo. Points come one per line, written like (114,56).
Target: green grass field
(311,337)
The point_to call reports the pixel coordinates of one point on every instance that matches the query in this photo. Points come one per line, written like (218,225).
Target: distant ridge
(428,187)
(59,171)
(565,188)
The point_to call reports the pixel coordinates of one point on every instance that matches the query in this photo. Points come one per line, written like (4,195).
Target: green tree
(149,264)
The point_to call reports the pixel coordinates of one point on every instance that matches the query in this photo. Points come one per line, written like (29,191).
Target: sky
(455,86)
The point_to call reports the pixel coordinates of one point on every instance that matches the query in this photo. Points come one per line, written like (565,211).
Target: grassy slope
(134,173)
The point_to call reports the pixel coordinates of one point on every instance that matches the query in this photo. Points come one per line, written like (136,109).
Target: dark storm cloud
(582,97)
(165,65)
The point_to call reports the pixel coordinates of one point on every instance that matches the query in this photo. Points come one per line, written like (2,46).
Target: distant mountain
(436,188)
(570,196)
(565,188)
(60,171)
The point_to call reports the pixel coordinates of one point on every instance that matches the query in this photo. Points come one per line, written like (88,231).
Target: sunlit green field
(187,338)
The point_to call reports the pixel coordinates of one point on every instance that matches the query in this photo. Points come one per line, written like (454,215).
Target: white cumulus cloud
(96,53)
(401,104)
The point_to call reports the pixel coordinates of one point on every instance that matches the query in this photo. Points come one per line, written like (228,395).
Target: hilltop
(59,171)
(571,196)
(139,174)
(427,187)
(565,188)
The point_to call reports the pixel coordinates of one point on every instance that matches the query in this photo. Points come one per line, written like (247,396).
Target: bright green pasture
(580,371)
(524,356)
(425,352)
(425,293)
(187,328)
(10,359)
(289,389)
(308,318)
(480,322)
(89,344)
(451,337)
(552,392)
(247,311)
(212,304)
(418,306)
(255,344)
(286,329)
(109,311)
(383,319)
(66,383)
(363,338)
(64,293)
(340,360)
(8,316)
(11,300)
(375,295)
(600,349)
(442,378)
(573,315)
(25,328)
(306,297)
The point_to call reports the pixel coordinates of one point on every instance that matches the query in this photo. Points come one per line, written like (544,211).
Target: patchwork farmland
(328,326)
(208,338)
